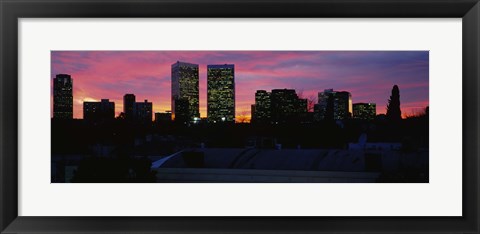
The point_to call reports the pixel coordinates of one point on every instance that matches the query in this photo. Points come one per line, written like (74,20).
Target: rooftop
(271,159)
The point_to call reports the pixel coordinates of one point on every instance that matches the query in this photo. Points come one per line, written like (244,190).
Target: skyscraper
(63,97)
(263,111)
(366,111)
(99,111)
(221,93)
(128,106)
(342,104)
(185,84)
(163,118)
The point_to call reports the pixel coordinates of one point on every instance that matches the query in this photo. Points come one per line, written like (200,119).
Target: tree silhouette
(393,108)
(243,117)
(311,100)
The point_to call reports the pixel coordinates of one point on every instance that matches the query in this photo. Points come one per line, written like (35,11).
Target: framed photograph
(267,116)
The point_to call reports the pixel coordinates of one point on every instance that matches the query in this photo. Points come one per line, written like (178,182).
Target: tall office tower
(221,93)
(128,105)
(320,108)
(63,97)
(143,111)
(185,84)
(263,112)
(99,111)
(342,104)
(286,106)
(365,111)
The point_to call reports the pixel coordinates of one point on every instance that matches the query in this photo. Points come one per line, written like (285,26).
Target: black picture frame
(11,11)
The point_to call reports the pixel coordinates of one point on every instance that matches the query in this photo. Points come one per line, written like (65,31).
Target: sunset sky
(367,75)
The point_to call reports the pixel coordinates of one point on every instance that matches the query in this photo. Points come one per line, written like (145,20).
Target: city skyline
(185,93)
(368,76)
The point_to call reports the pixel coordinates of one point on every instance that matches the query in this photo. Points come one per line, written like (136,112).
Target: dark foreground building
(163,117)
(341,102)
(364,111)
(227,165)
(143,111)
(262,109)
(99,111)
(128,106)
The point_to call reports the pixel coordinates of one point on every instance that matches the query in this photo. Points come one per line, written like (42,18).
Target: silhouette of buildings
(143,111)
(279,106)
(221,93)
(365,111)
(63,97)
(286,106)
(99,111)
(342,104)
(185,94)
(182,109)
(163,118)
(139,112)
(262,110)
(253,113)
(128,106)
